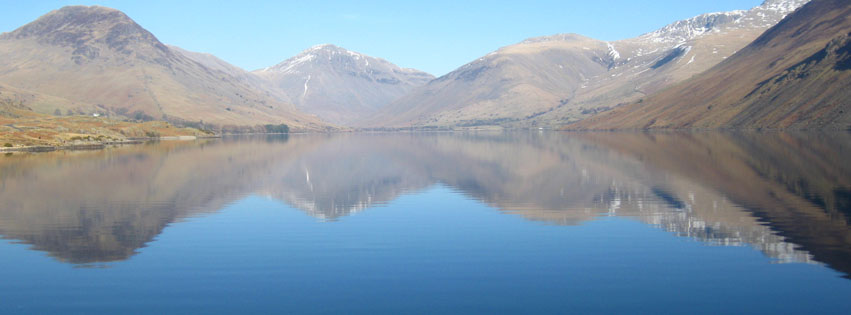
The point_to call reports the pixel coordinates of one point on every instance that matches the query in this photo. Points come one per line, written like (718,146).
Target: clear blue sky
(436,36)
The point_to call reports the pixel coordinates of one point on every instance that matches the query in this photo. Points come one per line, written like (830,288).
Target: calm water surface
(433,223)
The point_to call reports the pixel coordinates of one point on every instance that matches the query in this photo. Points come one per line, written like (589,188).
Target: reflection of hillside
(723,189)
(796,184)
(568,180)
(564,179)
(85,207)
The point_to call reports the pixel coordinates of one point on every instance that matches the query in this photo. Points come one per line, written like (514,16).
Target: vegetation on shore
(21,127)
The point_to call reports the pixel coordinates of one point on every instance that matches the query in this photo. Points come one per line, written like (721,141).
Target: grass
(20,126)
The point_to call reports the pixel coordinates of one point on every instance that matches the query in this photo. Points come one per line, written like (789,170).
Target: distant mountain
(550,81)
(97,59)
(507,85)
(796,75)
(341,86)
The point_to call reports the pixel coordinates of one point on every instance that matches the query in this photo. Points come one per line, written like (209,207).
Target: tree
(282,128)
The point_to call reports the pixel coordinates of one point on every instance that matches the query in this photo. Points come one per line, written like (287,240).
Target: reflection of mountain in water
(568,180)
(84,207)
(793,183)
(768,191)
(343,175)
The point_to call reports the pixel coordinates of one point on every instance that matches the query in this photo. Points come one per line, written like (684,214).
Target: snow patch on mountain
(305,86)
(765,15)
(688,29)
(290,65)
(613,53)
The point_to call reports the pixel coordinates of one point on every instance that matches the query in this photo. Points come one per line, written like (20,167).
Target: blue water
(436,246)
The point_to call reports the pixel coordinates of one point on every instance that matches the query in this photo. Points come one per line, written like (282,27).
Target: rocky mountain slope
(793,76)
(341,86)
(553,80)
(98,60)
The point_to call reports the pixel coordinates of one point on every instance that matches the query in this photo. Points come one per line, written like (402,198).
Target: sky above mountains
(434,36)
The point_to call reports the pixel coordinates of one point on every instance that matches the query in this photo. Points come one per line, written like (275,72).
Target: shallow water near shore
(477,222)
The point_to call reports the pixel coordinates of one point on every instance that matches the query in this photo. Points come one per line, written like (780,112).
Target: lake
(476,222)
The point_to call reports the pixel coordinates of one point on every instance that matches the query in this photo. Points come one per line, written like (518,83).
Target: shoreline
(100,145)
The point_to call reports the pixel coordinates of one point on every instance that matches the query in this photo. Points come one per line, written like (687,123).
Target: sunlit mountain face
(784,194)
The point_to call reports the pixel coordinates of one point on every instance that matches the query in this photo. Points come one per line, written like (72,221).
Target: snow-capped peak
(320,47)
(328,58)
(315,53)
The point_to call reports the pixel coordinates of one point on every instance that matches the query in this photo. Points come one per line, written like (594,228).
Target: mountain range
(731,69)
(98,60)
(554,80)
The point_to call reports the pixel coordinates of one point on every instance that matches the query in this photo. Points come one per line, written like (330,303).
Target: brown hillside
(796,75)
(98,60)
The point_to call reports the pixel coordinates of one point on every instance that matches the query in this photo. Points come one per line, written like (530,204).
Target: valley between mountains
(785,64)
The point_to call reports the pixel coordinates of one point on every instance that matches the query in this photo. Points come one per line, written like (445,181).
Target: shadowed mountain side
(793,76)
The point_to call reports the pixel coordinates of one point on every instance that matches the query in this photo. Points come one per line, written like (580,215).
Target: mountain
(513,82)
(796,75)
(341,86)
(550,81)
(98,60)
(216,64)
